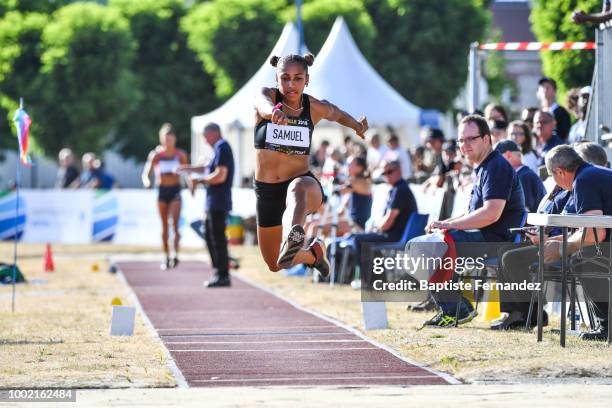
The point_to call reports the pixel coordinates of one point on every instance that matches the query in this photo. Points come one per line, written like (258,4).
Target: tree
(20,53)
(232,38)
(551,21)
(319,16)
(86,86)
(173,82)
(422,46)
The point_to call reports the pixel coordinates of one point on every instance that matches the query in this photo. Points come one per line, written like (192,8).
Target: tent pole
(474,78)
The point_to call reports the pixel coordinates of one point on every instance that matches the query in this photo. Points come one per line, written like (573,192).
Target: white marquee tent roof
(342,75)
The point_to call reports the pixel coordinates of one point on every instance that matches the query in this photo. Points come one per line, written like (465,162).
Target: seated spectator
(527,115)
(498,130)
(544,128)
(318,158)
(359,190)
(590,186)
(533,188)
(67,173)
(521,135)
(592,153)
(547,95)
(400,205)
(376,152)
(582,189)
(395,152)
(331,172)
(434,140)
(448,164)
(419,168)
(494,112)
(496,204)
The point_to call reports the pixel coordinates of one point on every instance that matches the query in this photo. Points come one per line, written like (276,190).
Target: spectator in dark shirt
(400,205)
(547,95)
(590,188)
(67,173)
(497,204)
(533,188)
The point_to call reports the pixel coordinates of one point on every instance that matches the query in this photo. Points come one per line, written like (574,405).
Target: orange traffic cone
(49,267)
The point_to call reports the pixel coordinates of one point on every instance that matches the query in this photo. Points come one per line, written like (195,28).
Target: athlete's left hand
(363,121)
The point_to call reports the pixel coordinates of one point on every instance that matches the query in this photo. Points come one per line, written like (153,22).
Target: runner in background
(165,160)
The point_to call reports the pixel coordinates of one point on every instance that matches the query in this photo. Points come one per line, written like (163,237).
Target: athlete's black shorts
(167,194)
(271,200)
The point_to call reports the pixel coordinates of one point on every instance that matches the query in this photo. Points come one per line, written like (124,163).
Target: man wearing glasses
(497,203)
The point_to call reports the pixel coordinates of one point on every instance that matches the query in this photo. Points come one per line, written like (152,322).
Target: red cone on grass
(49,267)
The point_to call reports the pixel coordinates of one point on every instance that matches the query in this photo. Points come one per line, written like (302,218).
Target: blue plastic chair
(415,226)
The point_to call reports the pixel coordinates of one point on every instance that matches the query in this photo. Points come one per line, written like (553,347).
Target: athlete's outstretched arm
(327,110)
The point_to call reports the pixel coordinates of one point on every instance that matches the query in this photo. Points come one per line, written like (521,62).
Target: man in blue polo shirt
(497,204)
(591,188)
(533,188)
(219,174)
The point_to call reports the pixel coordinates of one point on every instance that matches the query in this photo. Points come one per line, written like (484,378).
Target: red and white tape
(537,46)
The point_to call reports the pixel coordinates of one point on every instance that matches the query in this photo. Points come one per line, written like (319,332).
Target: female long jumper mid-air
(285,188)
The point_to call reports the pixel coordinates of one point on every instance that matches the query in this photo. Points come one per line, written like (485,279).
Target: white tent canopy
(342,75)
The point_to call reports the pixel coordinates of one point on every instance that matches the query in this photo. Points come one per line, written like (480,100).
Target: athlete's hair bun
(274,60)
(309,58)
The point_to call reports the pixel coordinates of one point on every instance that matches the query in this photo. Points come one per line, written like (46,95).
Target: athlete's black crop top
(293,138)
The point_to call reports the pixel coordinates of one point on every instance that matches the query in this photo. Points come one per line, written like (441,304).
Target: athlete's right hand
(278,117)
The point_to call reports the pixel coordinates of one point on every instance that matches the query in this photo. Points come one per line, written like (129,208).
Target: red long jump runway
(245,336)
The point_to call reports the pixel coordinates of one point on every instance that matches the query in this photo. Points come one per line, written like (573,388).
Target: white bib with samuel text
(296,136)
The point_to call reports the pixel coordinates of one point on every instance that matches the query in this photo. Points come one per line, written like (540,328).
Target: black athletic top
(293,138)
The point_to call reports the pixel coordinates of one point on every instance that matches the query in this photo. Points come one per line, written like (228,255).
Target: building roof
(512,19)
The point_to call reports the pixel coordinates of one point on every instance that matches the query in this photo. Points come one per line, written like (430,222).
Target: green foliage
(319,16)
(232,38)
(551,21)
(27,6)
(86,86)
(171,78)
(422,46)
(19,66)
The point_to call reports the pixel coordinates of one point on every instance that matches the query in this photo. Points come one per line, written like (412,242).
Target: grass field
(58,335)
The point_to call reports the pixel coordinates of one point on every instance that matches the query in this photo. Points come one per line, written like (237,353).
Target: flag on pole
(22,124)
